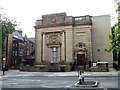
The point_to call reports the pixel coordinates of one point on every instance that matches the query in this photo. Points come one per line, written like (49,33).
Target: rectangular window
(54,55)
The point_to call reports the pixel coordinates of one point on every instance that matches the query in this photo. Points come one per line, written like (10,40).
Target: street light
(4,56)
(6,66)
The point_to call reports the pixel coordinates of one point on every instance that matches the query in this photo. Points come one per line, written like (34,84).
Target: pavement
(16,73)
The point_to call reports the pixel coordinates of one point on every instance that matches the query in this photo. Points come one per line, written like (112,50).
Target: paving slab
(14,73)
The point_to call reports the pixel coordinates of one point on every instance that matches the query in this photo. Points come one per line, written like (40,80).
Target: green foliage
(67,68)
(7,28)
(99,69)
(117,5)
(115,39)
(96,68)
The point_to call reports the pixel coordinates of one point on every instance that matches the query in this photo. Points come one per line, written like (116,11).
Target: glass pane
(54,55)
(54,49)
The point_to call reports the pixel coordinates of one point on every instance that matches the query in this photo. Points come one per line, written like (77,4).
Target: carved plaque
(53,38)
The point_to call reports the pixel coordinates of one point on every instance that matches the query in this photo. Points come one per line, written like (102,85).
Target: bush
(67,68)
(94,69)
(99,69)
(25,68)
(87,68)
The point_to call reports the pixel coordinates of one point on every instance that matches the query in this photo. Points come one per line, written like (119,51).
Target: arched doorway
(80,59)
(80,54)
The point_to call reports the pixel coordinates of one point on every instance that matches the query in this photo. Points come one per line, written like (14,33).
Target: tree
(117,5)
(7,27)
(115,37)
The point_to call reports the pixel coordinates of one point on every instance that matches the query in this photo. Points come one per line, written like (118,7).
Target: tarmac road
(54,81)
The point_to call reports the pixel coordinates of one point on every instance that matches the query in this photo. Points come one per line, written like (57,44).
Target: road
(54,81)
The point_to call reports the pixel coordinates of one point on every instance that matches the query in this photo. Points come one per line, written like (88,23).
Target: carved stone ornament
(53,20)
(80,47)
(53,38)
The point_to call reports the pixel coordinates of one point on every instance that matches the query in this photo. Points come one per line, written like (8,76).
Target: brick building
(19,48)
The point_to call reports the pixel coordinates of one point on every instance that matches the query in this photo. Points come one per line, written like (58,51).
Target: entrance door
(80,59)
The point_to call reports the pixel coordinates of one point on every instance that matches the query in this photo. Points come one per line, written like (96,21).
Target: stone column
(43,59)
(63,47)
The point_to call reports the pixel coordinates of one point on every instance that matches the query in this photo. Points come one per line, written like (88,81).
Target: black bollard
(89,63)
(80,77)
(3,70)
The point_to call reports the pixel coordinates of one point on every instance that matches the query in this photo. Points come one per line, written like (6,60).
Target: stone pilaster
(38,45)
(69,44)
(43,52)
(63,47)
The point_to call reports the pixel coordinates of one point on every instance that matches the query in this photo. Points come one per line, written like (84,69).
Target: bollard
(83,83)
(3,70)
(82,76)
(3,66)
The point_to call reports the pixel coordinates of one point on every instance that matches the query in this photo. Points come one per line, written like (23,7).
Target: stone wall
(82,34)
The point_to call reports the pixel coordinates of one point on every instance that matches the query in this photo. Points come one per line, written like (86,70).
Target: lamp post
(6,54)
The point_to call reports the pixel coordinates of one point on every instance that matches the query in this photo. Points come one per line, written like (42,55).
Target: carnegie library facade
(63,40)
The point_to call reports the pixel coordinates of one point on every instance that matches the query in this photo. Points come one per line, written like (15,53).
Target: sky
(28,11)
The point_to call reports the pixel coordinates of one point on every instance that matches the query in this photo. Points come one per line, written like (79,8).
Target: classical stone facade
(63,40)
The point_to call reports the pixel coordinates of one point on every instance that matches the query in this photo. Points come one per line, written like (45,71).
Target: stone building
(67,40)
